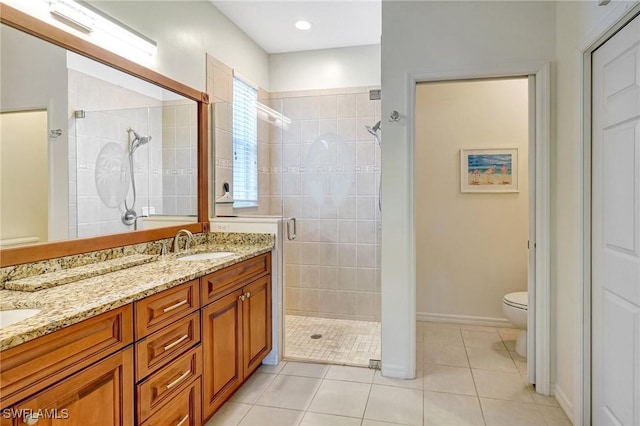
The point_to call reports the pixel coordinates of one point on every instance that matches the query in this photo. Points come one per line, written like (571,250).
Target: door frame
(540,305)
(619,15)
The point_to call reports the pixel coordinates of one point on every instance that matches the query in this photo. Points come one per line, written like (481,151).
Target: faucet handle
(163,250)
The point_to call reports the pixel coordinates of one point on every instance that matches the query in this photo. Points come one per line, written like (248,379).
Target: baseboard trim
(565,403)
(464,319)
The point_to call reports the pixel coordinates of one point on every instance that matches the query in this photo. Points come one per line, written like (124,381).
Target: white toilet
(515,307)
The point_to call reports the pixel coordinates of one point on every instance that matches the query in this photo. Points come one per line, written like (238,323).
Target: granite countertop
(79,300)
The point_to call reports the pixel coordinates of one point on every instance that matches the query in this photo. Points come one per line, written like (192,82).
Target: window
(245,144)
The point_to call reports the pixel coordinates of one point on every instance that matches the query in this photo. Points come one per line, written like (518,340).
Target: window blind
(245,144)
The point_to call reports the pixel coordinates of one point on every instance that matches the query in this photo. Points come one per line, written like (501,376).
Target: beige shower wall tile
(364,107)
(346,106)
(222,84)
(213,62)
(327,107)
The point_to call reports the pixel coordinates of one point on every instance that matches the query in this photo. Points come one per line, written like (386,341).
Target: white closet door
(616,229)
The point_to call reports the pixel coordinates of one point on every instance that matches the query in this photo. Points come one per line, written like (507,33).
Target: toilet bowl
(515,308)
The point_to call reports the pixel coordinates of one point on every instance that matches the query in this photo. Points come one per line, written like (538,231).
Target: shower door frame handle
(291,237)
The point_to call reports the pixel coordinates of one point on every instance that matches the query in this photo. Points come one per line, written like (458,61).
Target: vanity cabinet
(162,360)
(63,370)
(236,328)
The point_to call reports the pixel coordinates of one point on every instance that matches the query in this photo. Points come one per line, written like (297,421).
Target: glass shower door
(331,300)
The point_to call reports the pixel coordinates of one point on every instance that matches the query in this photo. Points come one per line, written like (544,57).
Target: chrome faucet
(188,234)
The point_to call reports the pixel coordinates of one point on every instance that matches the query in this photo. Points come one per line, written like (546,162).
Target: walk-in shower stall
(316,163)
(131,165)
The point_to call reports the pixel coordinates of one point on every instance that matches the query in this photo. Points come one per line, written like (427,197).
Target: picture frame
(489,170)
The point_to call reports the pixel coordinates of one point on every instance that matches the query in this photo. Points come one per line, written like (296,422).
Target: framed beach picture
(489,170)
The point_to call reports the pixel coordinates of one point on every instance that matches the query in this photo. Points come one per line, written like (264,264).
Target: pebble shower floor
(347,342)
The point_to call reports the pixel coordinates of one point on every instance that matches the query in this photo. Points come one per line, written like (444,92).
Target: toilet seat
(517,300)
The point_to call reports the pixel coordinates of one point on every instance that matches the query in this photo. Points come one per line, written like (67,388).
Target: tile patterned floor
(466,376)
(345,342)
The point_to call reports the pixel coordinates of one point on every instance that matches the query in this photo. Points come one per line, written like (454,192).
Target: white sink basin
(13,316)
(207,256)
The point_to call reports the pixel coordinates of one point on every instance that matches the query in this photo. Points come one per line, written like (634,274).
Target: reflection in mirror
(248,162)
(88,150)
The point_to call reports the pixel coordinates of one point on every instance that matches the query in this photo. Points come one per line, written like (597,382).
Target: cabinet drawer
(219,283)
(166,383)
(154,312)
(37,364)
(183,410)
(159,348)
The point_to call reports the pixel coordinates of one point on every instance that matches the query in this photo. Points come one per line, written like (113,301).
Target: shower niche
(134,168)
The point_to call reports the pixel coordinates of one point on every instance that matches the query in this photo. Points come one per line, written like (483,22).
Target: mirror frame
(42,30)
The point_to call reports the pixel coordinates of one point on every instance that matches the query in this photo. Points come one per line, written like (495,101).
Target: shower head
(137,140)
(374,131)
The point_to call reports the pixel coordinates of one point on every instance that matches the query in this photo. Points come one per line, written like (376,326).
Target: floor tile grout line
(263,391)
(364,413)
(243,416)
(475,386)
(313,397)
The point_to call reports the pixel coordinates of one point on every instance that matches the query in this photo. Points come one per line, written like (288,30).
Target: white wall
(325,69)
(471,248)
(24,180)
(38,80)
(435,37)
(185,31)
(578,24)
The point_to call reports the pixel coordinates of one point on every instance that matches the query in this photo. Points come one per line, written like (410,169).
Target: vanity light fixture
(102,29)
(72,14)
(303,25)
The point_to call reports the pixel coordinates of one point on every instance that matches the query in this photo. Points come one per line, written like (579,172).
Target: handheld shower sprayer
(137,140)
(129,216)
(374,131)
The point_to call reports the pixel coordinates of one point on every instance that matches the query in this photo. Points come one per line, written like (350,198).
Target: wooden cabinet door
(222,351)
(100,395)
(256,323)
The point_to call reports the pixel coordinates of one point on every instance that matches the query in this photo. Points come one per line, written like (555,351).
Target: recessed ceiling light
(303,25)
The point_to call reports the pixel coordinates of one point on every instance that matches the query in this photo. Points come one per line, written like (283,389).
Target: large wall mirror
(96,151)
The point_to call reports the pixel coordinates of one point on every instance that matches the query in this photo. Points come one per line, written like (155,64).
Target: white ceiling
(335,23)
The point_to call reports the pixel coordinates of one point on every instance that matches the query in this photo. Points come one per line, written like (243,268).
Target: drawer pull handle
(184,419)
(179,379)
(177,342)
(176,306)
(247,294)
(242,297)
